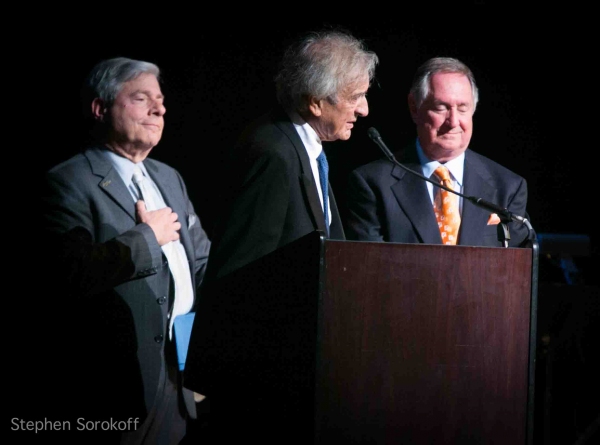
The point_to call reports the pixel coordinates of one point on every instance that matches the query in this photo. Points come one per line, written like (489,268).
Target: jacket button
(161,300)
(158,338)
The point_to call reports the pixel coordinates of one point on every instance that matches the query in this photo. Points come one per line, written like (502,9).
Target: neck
(135,155)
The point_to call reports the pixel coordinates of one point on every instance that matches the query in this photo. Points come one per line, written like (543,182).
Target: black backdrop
(528,117)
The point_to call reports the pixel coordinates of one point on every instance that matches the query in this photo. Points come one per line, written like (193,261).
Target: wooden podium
(375,343)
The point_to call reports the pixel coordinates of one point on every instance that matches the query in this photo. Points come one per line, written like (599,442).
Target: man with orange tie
(388,203)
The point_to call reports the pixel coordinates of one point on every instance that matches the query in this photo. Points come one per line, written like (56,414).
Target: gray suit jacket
(114,281)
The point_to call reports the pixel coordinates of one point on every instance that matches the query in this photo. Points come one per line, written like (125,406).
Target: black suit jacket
(273,199)
(387,203)
(112,284)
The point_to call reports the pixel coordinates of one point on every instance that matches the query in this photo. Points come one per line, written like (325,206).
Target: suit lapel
(307,179)
(412,196)
(476,183)
(110,182)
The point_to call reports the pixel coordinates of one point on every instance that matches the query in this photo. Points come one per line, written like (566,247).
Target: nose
(158,108)
(452,118)
(362,108)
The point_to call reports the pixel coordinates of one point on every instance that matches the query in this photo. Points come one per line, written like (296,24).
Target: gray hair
(322,64)
(107,78)
(421,79)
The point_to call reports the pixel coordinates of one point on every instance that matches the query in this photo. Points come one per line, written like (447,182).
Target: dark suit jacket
(273,199)
(113,282)
(387,203)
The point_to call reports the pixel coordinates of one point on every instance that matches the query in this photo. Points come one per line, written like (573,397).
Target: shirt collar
(456,166)
(123,166)
(308,135)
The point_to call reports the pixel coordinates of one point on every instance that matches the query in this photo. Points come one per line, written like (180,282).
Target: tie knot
(442,173)
(138,175)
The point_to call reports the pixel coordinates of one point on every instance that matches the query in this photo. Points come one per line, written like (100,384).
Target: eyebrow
(443,102)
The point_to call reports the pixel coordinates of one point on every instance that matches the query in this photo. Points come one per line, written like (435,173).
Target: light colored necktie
(323,178)
(174,251)
(446,210)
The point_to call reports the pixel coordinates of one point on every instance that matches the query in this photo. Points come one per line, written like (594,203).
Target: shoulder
(374,168)
(74,163)
(271,136)
(483,163)
(77,166)
(383,167)
(273,127)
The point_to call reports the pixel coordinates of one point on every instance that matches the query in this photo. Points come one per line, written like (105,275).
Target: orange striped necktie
(446,210)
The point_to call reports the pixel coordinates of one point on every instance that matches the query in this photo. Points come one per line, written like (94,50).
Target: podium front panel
(423,344)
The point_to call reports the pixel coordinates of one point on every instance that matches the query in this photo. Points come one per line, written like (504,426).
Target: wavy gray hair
(322,64)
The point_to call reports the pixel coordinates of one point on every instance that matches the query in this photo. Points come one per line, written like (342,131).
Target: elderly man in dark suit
(276,196)
(128,260)
(277,191)
(387,203)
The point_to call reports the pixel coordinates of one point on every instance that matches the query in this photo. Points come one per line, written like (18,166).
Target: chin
(345,136)
(451,146)
(148,144)
(152,141)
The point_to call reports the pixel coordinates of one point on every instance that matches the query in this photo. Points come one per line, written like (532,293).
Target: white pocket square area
(191,220)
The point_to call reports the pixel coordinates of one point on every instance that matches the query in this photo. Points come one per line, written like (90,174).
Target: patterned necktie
(174,251)
(323,175)
(445,206)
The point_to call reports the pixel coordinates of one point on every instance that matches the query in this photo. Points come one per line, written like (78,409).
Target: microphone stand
(503,232)
(504,214)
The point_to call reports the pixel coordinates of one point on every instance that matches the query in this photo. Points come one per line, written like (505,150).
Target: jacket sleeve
(255,213)
(75,259)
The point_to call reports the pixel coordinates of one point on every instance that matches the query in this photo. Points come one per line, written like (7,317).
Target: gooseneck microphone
(504,214)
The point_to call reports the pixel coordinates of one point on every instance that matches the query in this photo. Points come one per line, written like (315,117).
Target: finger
(140,211)
(140,207)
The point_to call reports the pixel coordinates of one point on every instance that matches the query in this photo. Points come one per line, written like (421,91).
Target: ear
(412,107)
(315,106)
(99,109)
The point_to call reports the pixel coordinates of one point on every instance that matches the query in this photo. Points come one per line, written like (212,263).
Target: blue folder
(182,327)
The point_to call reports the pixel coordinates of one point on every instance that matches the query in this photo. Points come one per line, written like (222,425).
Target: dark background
(536,116)
(529,117)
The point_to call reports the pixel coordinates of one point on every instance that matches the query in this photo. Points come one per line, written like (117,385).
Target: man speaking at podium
(278,191)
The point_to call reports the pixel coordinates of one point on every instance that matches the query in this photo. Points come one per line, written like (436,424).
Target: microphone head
(373,133)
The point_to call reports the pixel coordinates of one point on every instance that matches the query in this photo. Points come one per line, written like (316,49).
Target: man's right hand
(163,222)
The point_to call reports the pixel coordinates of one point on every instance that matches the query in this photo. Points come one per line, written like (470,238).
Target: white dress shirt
(456,167)
(184,294)
(314,147)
